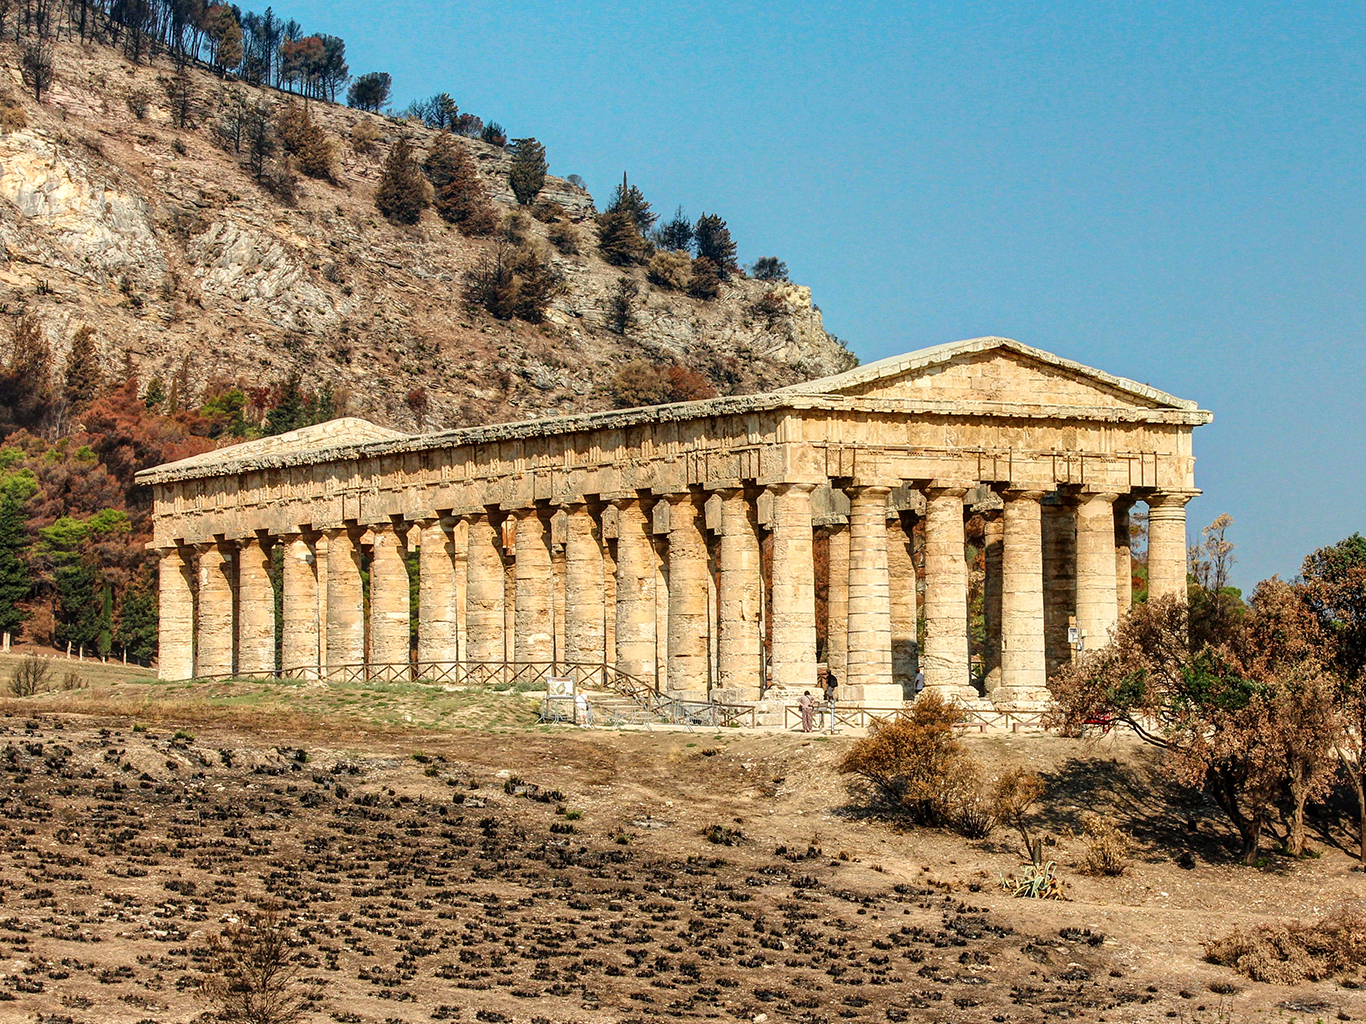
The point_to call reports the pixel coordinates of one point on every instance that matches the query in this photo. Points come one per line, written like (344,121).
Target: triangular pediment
(995,371)
(348,430)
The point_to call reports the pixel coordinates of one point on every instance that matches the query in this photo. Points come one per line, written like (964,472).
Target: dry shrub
(641,382)
(1290,952)
(1107,847)
(917,764)
(251,977)
(30,676)
(565,237)
(1015,794)
(364,138)
(12,115)
(138,101)
(304,140)
(671,270)
(513,281)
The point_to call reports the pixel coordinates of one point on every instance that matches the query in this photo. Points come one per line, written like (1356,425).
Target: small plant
(72,681)
(1016,793)
(251,977)
(138,102)
(30,676)
(723,835)
(1295,951)
(1107,848)
(573,815)
(565,237)
(1039,882)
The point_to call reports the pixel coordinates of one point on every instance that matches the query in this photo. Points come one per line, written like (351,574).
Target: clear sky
(1169,191)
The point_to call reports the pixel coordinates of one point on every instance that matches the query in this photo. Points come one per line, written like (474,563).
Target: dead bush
(641,382)
(1016,792)
(1290,952)
(30,676)
(1107,847)
(513,281)
(671,270)
(72,681)
(364,138)
(565,237)
(916,764)
(139,100)
(251,977)
(304,140)
(12,115)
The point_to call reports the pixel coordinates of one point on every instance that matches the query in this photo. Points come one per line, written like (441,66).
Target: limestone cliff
(158,238)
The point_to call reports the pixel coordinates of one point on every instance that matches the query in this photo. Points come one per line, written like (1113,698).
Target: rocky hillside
(164,244)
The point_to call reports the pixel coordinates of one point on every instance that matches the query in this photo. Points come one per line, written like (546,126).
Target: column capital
(1107,496)
(937,490)
(868,489)
(1024,494)
(799,486)
(1169,502)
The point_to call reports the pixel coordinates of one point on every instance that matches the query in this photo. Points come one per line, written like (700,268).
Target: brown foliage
(304,140)
(513,281)
(641,382)
(403,191)
(1013,797)
(670,270)
(461,198)
(916,763)
(29,677)
(1107,847)
(251,976)
(1295,951)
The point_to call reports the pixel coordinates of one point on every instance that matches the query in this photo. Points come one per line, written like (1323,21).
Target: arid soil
(527,874)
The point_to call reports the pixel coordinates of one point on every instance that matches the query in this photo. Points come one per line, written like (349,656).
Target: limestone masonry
(633,543)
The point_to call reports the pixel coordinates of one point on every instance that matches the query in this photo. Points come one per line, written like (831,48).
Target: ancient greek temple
(719,550)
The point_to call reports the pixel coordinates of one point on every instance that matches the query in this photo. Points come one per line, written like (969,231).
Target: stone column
(1167,546)
(870,606)
(1097,608)
(437,608)
(945,660)
(993,544)
(1124,566)
(1024,667)
(534,628)
(484,592)
(255,609)
(1059,579)
(213,632)
(345,605)
(585,603)
(794,589)
(390,603)
(739,597)
(299,645)
(687,658)
(459,539)
(320,549)
(635,630)
(175,615)
(837,602)
(902,587)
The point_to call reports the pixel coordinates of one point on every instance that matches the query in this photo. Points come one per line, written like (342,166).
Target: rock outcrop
(159,239)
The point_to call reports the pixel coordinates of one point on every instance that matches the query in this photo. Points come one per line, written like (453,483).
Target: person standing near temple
(808,708)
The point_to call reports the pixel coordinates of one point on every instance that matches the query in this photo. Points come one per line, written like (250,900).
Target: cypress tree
(82,373)
(16,582)
(402,194)
(529,167)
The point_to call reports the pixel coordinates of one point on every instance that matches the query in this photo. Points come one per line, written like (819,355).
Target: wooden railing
(859,716)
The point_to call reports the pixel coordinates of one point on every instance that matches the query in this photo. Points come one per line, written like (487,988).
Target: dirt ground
(509,872)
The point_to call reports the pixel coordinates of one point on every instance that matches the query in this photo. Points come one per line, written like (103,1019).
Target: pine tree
(82,374)
(676,235)
(16,582)
(442,160)
(403,192)
(713,241)
(527,176)
(289,412)
(618,240)
(628,199)
(461,199)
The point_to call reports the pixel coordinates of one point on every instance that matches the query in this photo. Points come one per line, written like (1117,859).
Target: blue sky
(1170,191)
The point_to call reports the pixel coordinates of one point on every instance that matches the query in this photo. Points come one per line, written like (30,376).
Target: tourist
(919,681)
(808,707)
(583,710)
(831,684)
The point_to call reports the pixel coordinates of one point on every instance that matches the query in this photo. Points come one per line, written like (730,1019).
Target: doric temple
(714,550)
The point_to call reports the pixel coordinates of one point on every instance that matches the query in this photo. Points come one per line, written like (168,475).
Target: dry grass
(1107,847)
(1292,952)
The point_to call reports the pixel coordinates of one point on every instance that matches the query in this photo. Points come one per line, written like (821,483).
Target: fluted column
(585,606)
(1059,579)
(459,539)
(1097,607)
(636,611)
(345,603)
(1024,667)
(484,591)
(299,636)
(739,598)
(175,615)
(687,658)
(1167,546)
(390,602)
(255,609)
(870,608)
(534,631)
(993,545)
(945,661)
(901,581)
(213,631)
(1124,566)
(437,607)
(837,602)
(794,588)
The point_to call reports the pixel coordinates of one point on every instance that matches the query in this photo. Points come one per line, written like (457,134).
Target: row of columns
(489,594)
